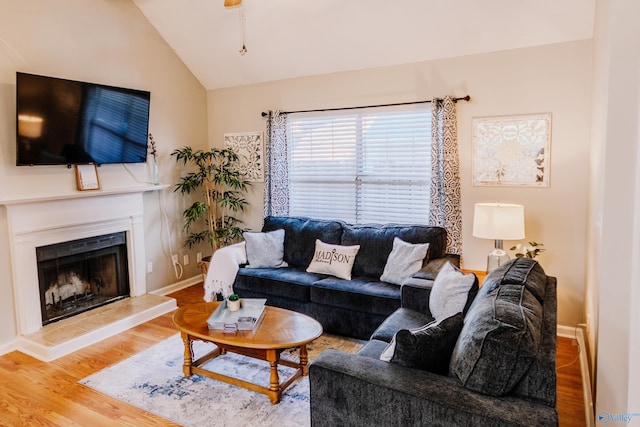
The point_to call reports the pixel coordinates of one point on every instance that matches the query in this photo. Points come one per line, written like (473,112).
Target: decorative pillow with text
(334,260)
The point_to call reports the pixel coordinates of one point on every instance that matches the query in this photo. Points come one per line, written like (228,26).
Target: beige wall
(613,290)
(110,42)
(553,79)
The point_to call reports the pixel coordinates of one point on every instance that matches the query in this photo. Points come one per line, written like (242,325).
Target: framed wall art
(249,147)
(512,150)
(87,177)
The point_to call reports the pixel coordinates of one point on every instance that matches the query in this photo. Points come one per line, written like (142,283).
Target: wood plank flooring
(34,393)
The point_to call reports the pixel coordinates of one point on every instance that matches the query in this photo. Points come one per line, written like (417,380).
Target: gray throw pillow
(428,347)
(452,291)
(265,250)
(404,260)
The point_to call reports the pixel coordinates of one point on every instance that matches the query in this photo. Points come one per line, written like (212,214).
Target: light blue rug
(152,380)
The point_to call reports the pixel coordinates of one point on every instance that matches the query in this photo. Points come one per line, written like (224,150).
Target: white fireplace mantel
(35,221)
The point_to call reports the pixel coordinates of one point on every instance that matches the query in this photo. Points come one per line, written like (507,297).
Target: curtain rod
(464,98)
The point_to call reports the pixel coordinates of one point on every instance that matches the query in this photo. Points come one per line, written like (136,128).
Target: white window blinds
(361,166)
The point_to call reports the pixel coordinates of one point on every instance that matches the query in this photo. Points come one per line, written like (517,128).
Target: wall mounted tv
(64,122)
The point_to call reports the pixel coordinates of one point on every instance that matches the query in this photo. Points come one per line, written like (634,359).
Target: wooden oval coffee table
(278,330)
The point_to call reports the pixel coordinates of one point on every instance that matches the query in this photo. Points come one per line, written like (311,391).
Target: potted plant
(530,251)
(216,177)
(233,302)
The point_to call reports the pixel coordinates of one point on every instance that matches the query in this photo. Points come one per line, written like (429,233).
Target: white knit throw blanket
(222,271)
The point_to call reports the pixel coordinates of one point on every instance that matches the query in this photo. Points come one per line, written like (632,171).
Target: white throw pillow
(334,260)
(265,250)
(404,260)
(450,291)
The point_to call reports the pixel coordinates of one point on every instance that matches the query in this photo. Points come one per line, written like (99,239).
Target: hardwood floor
(570,397)
(34,393)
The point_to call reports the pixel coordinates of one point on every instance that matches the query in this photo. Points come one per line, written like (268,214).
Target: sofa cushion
(428,347)
(373,349)
(285,282)
(376,243)
(499,340)
(335,260)
(265,250)
(404,260)
(358,294)
(452,292)
(301,234)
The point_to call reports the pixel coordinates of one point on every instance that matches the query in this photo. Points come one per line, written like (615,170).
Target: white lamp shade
(498,221)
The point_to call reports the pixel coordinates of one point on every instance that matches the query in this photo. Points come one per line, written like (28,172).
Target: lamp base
(496,258)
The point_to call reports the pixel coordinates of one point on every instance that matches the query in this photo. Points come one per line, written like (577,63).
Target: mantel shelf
(35,198)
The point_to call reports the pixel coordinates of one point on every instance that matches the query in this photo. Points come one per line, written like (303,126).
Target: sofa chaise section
(501,372)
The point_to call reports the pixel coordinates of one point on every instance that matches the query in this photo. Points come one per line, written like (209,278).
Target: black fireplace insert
(81,275)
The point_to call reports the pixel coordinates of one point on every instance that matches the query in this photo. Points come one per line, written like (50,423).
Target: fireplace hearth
(81,275)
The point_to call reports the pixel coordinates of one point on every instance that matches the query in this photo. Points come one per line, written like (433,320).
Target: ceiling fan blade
(232,3)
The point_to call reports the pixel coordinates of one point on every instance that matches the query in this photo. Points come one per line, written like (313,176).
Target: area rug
(152,380)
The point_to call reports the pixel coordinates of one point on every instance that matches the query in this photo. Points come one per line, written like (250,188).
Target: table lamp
(498,221)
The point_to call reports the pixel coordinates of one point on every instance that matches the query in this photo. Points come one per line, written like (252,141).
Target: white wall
(613,288)
(110,42)
(554,78)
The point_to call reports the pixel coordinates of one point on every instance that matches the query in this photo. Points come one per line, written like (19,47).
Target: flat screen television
(65,122)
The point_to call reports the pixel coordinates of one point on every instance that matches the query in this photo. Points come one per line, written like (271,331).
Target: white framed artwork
(87,177)
(512,150)
(249,146)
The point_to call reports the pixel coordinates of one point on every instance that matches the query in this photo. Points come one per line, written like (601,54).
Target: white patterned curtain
(276,185)
(445,208)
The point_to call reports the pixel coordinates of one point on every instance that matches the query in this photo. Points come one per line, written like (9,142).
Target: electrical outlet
(185,260)
(174,258)
(199,257)
(149,267)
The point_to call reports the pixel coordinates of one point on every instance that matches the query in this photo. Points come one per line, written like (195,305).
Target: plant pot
(233,305)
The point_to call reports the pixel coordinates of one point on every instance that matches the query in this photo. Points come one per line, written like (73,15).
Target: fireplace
(35,223)
(80,275)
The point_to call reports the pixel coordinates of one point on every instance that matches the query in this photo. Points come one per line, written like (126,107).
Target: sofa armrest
(415,294)
(433,266)
(355,390)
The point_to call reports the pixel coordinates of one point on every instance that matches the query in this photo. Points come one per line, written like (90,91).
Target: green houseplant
(211,219)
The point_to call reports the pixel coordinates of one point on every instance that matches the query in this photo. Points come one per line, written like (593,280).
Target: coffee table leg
(188,354)
(304,360)
(274,381)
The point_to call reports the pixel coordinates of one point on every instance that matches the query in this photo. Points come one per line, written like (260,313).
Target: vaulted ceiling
(294,38)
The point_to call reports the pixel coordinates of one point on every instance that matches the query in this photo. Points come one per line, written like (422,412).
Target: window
(361,166)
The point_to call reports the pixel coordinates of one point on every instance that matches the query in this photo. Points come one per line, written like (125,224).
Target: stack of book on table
(247,318)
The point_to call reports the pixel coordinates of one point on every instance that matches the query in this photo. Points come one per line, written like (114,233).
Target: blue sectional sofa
(501,370)
(353,307)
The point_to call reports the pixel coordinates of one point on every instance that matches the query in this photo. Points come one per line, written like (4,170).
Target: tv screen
(62,121)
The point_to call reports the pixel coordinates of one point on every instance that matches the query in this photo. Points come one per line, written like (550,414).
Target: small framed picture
(87,177)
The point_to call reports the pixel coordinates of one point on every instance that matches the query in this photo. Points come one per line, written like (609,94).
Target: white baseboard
(178,286)
(8,347)
(578,335)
